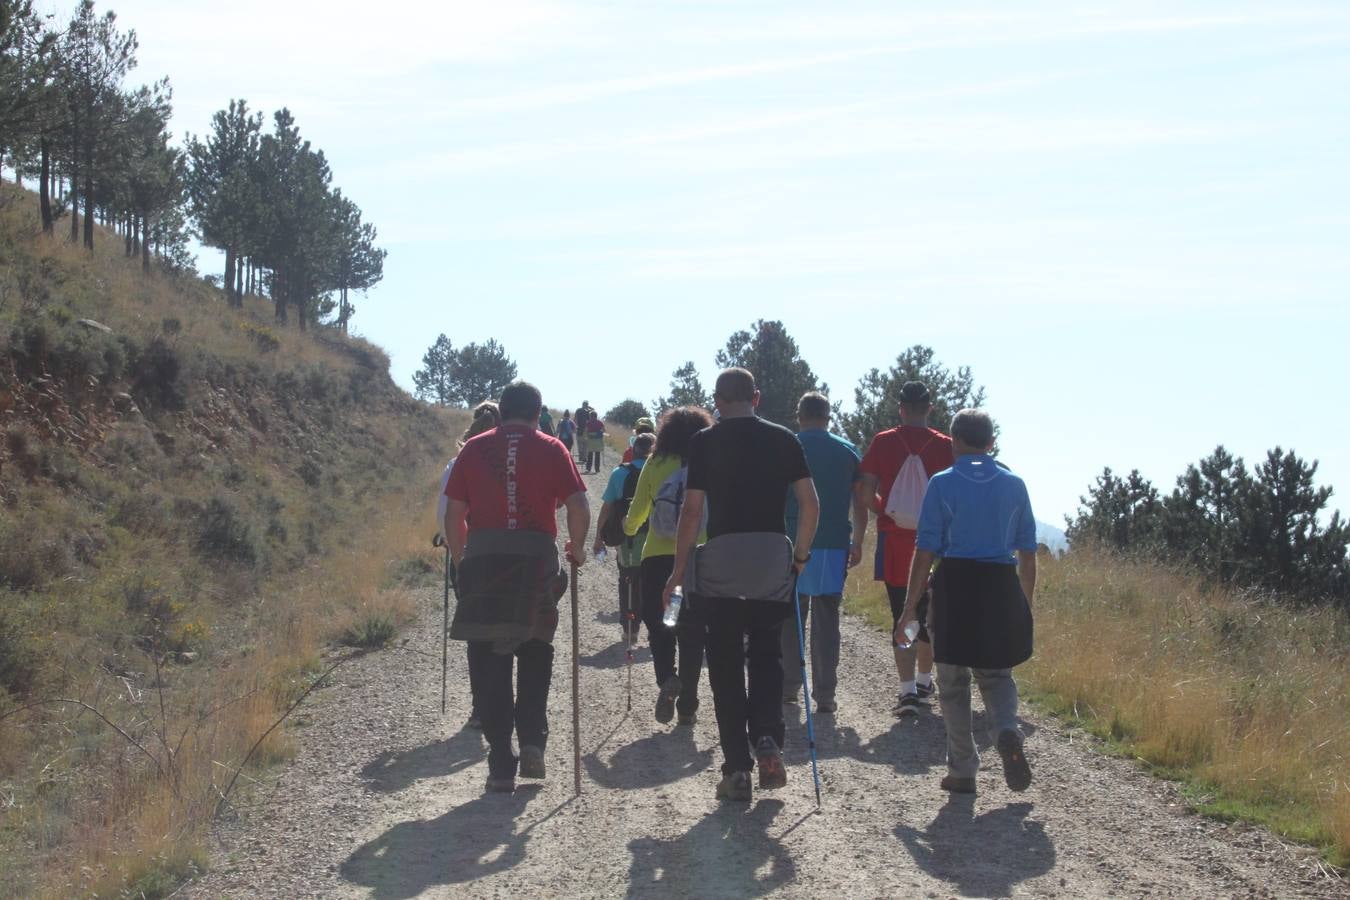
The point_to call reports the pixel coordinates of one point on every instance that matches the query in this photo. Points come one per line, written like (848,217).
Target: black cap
(914,393)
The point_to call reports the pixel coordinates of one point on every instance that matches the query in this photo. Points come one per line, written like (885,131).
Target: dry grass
(1247,701)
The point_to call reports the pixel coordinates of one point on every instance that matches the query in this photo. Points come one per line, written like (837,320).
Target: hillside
(193,504)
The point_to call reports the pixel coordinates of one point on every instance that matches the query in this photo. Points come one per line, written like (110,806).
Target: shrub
(154,374)
(224,532)
(19,659)
(310,473)
(370,630)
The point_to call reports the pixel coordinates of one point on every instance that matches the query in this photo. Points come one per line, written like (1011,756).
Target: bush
(310,473)
(371,630)
(225,533)
(626,413)
(154,374)
(19,659)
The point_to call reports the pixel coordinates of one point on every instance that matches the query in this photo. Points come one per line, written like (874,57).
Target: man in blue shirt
(834,469)
(976,522)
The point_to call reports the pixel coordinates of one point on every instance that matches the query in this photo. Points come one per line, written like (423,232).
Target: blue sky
(1132,222)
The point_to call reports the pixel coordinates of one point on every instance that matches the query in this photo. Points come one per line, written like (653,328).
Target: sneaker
(1016,769)
(531,762)
(909,705)
(734,786)
(927,693)
(504,785)
(687,719)
(665,700)
(827,707)
(957,785)
(769,758)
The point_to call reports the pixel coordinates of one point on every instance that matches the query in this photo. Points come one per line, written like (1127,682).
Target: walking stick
(576,688)
(806,691)
(439,541)
(628,654)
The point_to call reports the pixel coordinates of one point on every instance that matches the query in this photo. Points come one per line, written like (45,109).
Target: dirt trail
(385,799)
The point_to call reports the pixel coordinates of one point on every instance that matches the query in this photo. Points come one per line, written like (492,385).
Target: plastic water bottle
(911,635)
(673,610)
(602,555)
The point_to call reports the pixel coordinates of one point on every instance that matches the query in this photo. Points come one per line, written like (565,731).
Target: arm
(456,527)
(578,523)
(918,582)
(605,510)
(1026,572)
(808,517)
(860,517)
(686,537)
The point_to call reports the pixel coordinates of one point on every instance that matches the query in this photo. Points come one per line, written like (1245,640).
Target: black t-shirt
(745,466)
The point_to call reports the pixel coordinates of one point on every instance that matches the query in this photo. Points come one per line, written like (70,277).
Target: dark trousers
(630,597)
(593,460)
(500,712)
(687,636)
(744,637)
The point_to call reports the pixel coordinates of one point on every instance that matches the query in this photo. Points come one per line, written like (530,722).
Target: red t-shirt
(885,455)
(514,478)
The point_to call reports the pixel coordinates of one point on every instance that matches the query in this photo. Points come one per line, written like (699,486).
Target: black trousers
(593,460)
(688,636)
(501,711)
(630,597)
(745,638)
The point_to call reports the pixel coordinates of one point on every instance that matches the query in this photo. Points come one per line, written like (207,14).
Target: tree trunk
(44,188)
(228,281)
(279,292)
(145,244)
(239,283)
(88,206)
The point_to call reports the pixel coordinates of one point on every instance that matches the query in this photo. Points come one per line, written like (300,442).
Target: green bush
(372,630)
(19,659)
(226,533)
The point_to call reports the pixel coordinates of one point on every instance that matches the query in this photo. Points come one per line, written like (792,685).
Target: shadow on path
(982,856)
(660,758)
(469,842)
(393,771)
(728,853)
(612,658)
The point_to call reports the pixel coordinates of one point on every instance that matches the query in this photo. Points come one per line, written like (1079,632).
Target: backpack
(566,429)
(905,500)
(612,535)
(665,518)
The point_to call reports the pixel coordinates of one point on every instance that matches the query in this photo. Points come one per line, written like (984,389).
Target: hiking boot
(827,707)
(1016,769)
(665,700)
(531,762)
(909,705)
(769,758)
(927,693)
(687,719)
(734,786)
(957,785)
(474,722)
(504,785)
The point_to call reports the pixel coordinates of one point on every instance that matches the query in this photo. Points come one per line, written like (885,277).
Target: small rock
(94,326)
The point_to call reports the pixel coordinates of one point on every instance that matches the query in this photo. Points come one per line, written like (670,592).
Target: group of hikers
(726,520)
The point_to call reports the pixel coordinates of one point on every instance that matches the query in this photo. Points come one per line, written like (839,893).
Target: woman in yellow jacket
(677,687)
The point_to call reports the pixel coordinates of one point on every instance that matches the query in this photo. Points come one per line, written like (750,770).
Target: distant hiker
(594,442)
(656,505)
(741,580)
(583,415)
(486,417)
(834,470)
(567,430)
(642,426)
(546,421)
(976,522)
(500,522)
(618,497)
(895,470)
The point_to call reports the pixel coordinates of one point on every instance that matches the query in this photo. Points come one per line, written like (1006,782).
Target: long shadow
(393,771)
(612,657)
(1001,848)
(721,856)
(910,747)
(660,758)
(469,842)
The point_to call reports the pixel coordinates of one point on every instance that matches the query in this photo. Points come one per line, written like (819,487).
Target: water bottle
(673,610)
(911,634)
(602,555)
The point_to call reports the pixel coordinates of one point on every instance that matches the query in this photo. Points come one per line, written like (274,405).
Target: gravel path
(385,799)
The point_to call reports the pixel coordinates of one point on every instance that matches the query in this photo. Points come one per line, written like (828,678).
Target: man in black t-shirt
(741,471)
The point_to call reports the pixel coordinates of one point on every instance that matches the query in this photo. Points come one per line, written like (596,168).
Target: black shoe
(665,700)
(687,719)
(827,707)
(734,786)
(927,692)
(474,722)
(769,758)
(1016,769)
(909,705)
(531,762)
(505,785)
(957,785)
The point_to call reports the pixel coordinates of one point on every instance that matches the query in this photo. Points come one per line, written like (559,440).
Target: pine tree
(877,396)
(481,372)
(1122,514)
(685,390)
(781,374)
(434,382)
(223,186)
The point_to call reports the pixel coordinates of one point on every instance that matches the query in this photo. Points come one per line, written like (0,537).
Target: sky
(1131,220)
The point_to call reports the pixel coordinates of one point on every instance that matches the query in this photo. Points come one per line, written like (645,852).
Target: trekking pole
(630,637)
(439,541)
(806,690)
(576,688)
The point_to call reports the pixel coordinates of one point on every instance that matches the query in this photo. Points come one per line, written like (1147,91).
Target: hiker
(895,469)
(741,581)
(642,426)
(593,443)
(546,422)
(834,470)
(500,522)
(583,415)
(618,497)
(976,523)
(486,417)
(567,430)
(656,504)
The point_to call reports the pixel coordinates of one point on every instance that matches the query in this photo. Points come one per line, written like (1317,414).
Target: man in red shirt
(507,486)
(879,470)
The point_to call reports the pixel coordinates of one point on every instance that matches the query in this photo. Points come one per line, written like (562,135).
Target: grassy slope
(191,509)
(1247,702)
